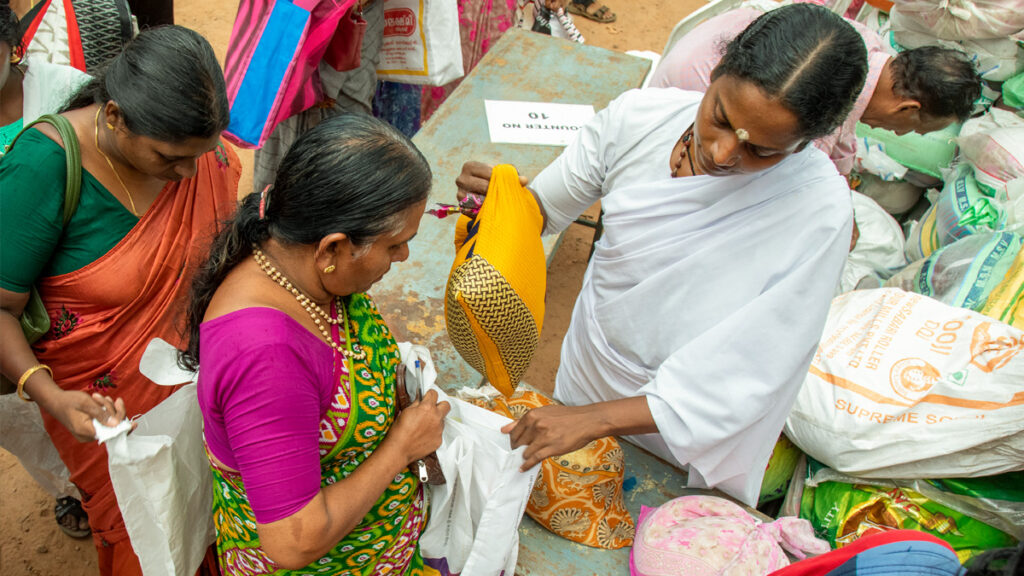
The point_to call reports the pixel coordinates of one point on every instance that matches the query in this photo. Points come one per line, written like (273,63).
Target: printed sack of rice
(964,273)
(1006,302)
(995,500)
(904,386)
(841,513)
(961,209)
(494,300)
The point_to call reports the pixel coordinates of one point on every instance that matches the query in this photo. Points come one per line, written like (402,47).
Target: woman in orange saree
(156,181)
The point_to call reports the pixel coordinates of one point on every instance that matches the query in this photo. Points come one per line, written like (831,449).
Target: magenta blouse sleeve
(265,405)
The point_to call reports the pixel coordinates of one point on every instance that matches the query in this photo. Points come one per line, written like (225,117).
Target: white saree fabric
(706,294)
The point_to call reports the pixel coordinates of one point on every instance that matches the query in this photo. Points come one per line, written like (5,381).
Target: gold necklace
(96,141)
(315,311)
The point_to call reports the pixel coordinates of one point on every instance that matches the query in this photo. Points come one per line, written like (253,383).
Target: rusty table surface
(520,66)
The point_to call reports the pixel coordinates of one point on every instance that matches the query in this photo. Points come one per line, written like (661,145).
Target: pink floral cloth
(705,536)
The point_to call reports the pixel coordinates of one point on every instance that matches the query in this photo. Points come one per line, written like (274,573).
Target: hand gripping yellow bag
(494,301)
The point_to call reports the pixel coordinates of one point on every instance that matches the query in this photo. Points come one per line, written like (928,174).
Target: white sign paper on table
(544,123)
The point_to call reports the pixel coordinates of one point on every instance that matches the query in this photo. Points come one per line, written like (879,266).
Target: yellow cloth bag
(494,301)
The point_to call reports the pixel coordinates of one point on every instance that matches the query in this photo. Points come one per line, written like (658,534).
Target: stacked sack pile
(912,413)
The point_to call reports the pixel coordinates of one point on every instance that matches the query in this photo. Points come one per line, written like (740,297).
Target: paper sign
(543,123)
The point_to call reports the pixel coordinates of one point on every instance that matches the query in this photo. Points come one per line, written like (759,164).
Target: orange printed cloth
(104,315)
(578,495)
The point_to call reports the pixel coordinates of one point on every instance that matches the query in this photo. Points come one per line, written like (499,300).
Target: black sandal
(70,506)
(603,14)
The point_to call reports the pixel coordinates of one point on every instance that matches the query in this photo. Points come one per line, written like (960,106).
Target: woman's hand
(552,431)
(474,179)
(76,410)
(417,431)
(555,5)
(556,430)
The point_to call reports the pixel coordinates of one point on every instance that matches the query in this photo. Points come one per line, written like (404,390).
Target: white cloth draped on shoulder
(705,294)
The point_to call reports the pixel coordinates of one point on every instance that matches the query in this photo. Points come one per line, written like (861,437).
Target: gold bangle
(28,374)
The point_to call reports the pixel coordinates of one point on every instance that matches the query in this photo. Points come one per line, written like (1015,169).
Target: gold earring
(329,269)
(110,126)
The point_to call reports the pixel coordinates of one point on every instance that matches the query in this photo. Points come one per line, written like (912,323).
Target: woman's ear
(907,105)
(114,117)
(333,250)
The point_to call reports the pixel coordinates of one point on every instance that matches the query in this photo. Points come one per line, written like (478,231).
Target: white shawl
(705,294)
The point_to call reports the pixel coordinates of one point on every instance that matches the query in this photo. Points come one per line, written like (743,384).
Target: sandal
(69,508)
(580,8)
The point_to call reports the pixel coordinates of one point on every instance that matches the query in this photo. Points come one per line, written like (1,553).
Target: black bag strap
(72,154)
(26,21)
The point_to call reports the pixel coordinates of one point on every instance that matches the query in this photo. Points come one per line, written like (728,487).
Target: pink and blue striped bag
(272,59)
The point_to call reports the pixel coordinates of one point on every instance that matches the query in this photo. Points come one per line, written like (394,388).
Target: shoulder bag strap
(72,154)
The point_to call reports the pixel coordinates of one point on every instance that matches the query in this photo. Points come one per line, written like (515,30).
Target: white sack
(903,386)
(475,514)
(879,249)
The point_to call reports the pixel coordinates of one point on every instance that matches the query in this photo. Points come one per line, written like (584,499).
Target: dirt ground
(30,541)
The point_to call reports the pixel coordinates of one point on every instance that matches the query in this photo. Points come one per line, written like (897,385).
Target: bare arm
(74,409)
(310,533)
(555,430)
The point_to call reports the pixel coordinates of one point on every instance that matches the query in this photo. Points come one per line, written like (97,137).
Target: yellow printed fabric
(578,495)
(1006,301)
(494,301)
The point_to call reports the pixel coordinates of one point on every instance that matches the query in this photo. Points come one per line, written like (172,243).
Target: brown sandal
(603,14)
(69,509)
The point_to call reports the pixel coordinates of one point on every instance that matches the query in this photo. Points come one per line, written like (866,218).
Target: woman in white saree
(706,296)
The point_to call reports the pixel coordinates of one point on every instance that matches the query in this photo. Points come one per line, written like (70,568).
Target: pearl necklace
(315,311)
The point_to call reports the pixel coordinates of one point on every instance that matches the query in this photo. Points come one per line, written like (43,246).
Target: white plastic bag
(959,19)
(474,516)
(904,386)
(871,158)
(422,43)
(879,249)
(161,475)
(994,145)
(22,433)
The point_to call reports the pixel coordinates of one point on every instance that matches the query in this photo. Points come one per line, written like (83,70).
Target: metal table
(521,66)
(528,67)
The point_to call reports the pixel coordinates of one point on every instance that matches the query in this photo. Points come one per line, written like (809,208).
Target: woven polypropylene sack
(494,301)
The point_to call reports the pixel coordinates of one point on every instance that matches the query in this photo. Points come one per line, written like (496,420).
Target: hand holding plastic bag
(161,475)
(474,517)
